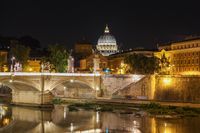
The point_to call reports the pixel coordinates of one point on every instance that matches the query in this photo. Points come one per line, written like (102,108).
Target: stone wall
(137,90)
(177,88)
(112,83)
(122,86)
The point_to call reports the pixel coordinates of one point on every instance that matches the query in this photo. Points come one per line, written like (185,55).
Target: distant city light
(167,81)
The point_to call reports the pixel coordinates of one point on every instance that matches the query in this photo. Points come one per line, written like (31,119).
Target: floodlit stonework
(184,56)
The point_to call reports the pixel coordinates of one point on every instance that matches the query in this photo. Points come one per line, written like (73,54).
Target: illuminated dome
(107,43)
(107,38)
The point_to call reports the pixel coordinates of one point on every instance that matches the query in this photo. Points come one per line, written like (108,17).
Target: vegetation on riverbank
(157,109)
(152,109)
(90,106)
(57,101)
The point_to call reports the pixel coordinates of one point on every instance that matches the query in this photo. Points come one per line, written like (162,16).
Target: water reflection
(5,116)
(60,120)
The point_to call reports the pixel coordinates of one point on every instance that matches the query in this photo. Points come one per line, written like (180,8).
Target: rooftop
(189,38)
(134,50)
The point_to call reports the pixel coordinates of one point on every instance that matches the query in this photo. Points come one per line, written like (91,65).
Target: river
(60,120)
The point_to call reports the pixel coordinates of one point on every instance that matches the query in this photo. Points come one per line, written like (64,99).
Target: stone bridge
(40,88)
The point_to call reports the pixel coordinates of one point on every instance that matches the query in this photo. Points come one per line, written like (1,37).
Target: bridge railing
(47,74)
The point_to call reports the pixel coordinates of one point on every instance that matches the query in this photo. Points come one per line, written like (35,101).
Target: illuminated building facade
(107,43)
(3,60)
(184,56)
(34,65)
(87,64)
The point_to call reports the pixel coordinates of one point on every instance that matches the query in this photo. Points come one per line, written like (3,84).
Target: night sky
(134,24)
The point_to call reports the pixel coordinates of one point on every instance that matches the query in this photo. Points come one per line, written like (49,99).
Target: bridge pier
(31,98)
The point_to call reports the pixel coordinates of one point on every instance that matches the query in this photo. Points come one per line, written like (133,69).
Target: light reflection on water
(60,120)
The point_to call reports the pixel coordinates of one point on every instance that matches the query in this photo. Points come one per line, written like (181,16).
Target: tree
(164,64)
(141,64)
(21,54)
(58,57)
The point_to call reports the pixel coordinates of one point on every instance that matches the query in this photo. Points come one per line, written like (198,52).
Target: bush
(56,101)
(90,106)
(106,108)
(152,106)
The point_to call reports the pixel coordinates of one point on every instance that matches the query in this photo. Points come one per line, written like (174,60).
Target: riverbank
(152,108)
(133,102)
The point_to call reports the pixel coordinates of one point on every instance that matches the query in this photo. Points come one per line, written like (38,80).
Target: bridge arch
(19,84)
(60,82)
(73,89)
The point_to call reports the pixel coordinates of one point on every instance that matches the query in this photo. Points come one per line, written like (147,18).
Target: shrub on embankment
(57,101)
(157,109)
(90,106)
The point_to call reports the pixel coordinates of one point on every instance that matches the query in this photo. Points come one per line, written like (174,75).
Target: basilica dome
(107,43)
(107,38)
